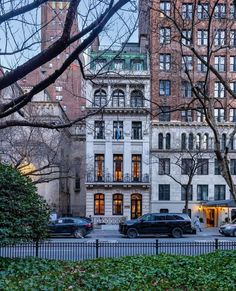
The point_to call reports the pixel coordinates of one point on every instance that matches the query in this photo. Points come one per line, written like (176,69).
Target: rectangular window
(233,87)
(165,8)
(219,114)
(202,11)
(99,129)
(232,11)
(118,130)
(233,38)
(164,166)
(165,62)
(186,89)
(119,65)
(164,192)
(99,204)
(232,115)
(202,166)
(202,192)
(165,35)
(200,115)
(164,113)
(99,168)
(183,192)
(220,37)
(136,168)
(187,11)
(233,166)
(186,37)
(186,116)
(118,168)
(137,65)
(58,88)
(202,37)
(233,63)
(219,192)
(217,167)
(186,166)
(200,65)
(187,63)
(219,91)
(136,130)
(164,87)
(220,11)
(220,63)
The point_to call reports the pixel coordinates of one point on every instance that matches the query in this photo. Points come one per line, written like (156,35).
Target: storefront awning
(219,203)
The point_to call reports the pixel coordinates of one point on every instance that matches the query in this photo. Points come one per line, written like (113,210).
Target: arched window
(100,98)
(99,204)
(183,141)
(136,99)
(198,141)
(205,141)
(190,141)
(168,141)
(223,141)
(117,204)
(118,98)
(160,141)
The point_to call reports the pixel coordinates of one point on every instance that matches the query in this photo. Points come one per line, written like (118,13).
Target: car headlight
(228,227)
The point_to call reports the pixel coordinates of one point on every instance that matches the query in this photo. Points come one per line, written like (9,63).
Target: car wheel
(79,233)
(177,232)
(132,233)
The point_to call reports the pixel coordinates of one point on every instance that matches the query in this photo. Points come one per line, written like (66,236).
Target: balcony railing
(127,178)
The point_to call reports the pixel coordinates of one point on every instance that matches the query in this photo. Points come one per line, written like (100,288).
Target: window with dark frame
(136,168)
(186,89)
(217,167)
(203,11)
(219,192)
(219,90)
(164,113)
(183,141)
(164,166)
(99,129)
(220,11)
(202,192)
(164,87)
(202,166)
(165,8)
(233,166)
(117,208)
(118,98)
(100,98)
(183,192)
(118,168)
(220,63)
(187,10)
(99,204)
(186,166)
(165,35)
(200,65)
(186,37)
(233,63)
(220,37)
(136,130)
(99,167)
(165,62)
(232,11)
(202,37)
(168,141)
(164,192)
(160,141)
(136,98)
(118,131)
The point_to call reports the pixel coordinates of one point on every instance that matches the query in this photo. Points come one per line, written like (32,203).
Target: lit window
(99,204)
(117,204)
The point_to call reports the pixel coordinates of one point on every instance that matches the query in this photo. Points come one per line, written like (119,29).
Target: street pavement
(208,234)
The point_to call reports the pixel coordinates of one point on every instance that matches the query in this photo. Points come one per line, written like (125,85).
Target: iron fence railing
(79,251)
(127,178)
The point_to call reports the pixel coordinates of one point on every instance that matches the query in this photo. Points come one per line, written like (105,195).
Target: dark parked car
(77,227)
(171,224)
(228,229)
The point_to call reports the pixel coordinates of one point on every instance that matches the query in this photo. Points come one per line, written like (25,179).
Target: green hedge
(216,271)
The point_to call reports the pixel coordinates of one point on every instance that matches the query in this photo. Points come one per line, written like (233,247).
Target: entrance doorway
(136,205)
(210,217)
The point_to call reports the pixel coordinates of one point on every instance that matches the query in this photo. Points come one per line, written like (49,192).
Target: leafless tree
(216,20)
(20,28)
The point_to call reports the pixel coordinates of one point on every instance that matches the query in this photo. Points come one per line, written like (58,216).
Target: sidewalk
(209,231)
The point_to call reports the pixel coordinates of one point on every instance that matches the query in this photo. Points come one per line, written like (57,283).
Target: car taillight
(88,225)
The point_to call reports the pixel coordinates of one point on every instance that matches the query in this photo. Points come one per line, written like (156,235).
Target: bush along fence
(78,251)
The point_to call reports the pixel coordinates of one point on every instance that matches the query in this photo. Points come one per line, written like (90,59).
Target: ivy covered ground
(216,271)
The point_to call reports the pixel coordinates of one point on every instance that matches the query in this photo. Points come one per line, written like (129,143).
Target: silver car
(228,229)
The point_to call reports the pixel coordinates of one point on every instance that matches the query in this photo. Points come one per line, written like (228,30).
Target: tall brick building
(181,34)
(67,88)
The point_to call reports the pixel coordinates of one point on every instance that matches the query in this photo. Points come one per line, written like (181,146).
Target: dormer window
(137,65)
(119,65)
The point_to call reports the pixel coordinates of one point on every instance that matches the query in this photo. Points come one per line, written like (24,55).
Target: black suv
(172,224)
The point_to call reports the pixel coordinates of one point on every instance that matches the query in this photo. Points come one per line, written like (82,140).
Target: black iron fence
(79,251)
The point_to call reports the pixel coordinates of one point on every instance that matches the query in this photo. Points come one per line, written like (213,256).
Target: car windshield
(234,221)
